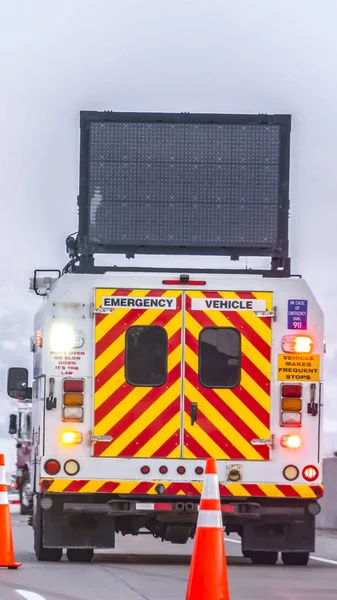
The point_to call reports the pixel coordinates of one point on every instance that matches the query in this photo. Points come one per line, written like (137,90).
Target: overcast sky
(60,56)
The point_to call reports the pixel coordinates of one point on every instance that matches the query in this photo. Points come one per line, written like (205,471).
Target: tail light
(73,399)
(310,473)
(181,470)
(297,344)
(292,442)
(291,405)
(52,467)
(145,469)
(199,470)
(163,469)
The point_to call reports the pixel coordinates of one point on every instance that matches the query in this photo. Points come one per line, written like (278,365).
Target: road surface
(145,568)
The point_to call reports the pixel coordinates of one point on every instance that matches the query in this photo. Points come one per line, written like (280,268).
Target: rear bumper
(91,520)
(170,489)
(177,508)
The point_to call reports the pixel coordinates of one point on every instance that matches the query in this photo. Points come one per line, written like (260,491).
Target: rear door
(137,388)
(227,373)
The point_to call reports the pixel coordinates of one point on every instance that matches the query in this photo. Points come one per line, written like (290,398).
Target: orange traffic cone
(6,538)
(208,573)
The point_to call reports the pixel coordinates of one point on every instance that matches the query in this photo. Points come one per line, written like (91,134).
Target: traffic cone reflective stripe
(6,538)
(208,572)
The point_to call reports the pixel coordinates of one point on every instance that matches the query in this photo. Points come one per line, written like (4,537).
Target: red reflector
(178,282)
(199,470)
(291,390)
(161,506)
(227,508)
(310,473)
(145,470)
(73,385)
(14,502)
(318,491)
(163,469)
(45,484)
(181,470)
(52,467)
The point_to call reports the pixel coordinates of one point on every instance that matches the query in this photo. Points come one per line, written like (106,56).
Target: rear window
(219,357)
(146,352)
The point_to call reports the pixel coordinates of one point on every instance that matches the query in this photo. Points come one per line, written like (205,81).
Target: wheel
(41,553)
(80,555)
(25,494)
(299,559)
(263,558)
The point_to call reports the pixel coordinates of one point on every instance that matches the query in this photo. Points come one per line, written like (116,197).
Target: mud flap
(294,536)
(61,530)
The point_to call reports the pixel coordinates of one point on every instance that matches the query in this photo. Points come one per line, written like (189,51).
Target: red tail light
(310,473)
(163,469)
(52,467)
(181,470)
(291,390)
(199,470)
(145,470)
(73,385)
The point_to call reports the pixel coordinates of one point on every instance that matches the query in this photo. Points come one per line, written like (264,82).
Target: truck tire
(41,553)
(25,495)
(80,554)
(263,558)
(299,559)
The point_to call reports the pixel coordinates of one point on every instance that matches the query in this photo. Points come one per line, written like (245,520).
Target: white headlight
(64,337)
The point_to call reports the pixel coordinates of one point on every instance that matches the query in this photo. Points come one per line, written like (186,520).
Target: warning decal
(67,363)
(226,304)
(297,367)
(139,302)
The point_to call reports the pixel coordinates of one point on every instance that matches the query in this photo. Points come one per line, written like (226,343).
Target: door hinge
(266,313)
(263,441)
(100,438)
(97,310)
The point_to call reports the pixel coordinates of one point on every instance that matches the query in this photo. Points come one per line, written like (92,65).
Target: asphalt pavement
(145,568)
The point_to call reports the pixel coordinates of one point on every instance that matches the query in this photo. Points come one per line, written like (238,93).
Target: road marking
(326,560)
(30,595)
(319,558)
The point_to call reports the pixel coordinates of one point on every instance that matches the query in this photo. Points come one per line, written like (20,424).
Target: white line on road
(326,560)
(30,595)
(319,558)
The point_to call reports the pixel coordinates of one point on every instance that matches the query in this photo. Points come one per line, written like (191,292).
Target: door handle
(194,412)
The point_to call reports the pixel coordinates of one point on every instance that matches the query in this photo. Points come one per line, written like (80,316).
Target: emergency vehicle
(20,427)
(140,374)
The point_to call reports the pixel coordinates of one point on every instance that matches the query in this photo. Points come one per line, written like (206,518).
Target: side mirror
(13,424)
(17,383)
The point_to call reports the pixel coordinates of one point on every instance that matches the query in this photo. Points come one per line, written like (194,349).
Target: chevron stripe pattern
(229,419)
(146,421)
(174,488)
(143,421)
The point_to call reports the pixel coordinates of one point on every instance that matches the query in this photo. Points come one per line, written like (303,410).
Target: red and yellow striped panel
(143,421)
(229,419)
(175,488)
